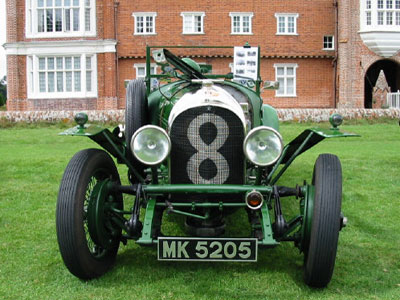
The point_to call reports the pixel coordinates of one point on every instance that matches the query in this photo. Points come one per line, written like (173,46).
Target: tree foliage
(3,91)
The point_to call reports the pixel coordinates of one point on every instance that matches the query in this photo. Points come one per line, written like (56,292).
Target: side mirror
(271,85)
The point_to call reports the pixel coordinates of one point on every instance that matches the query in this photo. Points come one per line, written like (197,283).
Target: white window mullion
(93,69)
(34,20)
(35,75)
(287,78)
(192,25)
(93,16)
(46,80)
(63,26)
(63,70)
(83,75)
(286,31)
(82,23)
(29,72)
(29,17)
(374,14)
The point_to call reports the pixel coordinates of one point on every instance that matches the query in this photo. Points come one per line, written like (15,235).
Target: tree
(3,91)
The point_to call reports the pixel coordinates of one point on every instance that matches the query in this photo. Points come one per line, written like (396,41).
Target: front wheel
(87,238)
(135,116)
(320,250)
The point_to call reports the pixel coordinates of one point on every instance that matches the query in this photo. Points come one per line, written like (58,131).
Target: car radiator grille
(207,144)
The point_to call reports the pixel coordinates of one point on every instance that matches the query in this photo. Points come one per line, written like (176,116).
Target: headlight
(150,145)
(263,146)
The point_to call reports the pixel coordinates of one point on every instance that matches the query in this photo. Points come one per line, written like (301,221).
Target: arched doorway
(390,68)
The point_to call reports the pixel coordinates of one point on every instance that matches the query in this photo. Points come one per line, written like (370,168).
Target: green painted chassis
(115,145)
(297,229)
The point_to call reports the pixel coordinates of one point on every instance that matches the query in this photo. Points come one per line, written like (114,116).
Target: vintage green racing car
(201,146)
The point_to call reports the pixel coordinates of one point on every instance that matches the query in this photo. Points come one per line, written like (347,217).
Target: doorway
(390,68)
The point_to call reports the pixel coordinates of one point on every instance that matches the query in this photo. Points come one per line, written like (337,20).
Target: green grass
(32,161)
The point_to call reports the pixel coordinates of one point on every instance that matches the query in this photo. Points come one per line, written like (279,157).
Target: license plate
(207,249)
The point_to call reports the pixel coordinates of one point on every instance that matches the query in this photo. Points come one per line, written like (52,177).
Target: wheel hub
(101,228)
(307,218)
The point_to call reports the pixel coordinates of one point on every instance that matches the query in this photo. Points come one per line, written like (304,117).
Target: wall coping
(297,115)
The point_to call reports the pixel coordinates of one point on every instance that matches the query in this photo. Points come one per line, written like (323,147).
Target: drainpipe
(335,4)
(116,4)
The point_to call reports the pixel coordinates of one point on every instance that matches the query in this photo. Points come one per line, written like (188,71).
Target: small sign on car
(245,62)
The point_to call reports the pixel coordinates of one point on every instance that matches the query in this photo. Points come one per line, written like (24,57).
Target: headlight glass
(150,145)
(263,146)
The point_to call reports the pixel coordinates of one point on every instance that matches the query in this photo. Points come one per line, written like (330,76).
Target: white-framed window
(193,22)
(141,69)
(145,23)
(241,22)
(329,42)
(60,18)
(62,76)
(285,74)
(286,23)
(380,14)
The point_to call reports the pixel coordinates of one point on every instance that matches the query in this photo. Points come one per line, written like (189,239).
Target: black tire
(320,254)
(81,255)
(135,116)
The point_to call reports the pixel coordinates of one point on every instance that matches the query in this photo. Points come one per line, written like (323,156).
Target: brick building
(368,42)
(77,54)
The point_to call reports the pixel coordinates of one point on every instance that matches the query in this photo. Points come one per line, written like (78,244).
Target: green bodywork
(160,104)
(108,140)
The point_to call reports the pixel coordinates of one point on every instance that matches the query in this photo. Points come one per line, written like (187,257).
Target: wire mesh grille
(207,146)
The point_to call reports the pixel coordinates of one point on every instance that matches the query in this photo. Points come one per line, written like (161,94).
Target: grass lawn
(32,161)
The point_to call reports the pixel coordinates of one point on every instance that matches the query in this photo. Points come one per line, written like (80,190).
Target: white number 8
(205,151)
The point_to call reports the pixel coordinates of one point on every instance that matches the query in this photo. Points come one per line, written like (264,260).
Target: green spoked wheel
(87,236)
(322,221)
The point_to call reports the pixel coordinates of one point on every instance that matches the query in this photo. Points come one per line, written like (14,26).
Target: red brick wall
(16,83)
(314,75)
(314,80)
(11,10)
(314,83)
(63,104)
(107,83)
(316,19)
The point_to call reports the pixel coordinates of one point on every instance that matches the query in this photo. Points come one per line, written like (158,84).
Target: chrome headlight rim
(137,132)
(249,135)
